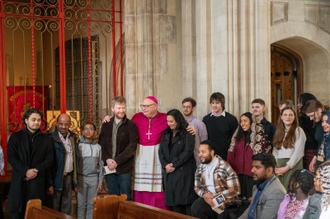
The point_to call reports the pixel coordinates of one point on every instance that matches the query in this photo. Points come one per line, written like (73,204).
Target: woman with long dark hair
(289,143)
(176,155)
(323,153)
(249,139)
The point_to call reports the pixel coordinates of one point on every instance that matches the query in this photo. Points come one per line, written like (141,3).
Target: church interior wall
(304,27)
(153,53)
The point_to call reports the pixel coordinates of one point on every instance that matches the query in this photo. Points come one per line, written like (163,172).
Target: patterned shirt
(225,180)
(68,149)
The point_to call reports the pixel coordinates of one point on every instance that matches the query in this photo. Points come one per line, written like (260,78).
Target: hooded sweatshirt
(90,159)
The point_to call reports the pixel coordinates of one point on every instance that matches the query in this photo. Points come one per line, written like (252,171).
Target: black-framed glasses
(146,106)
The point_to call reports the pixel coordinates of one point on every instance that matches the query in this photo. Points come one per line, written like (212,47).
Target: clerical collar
(222,114)
(213,162)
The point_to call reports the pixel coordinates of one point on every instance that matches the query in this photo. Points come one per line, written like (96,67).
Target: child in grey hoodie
(90,175)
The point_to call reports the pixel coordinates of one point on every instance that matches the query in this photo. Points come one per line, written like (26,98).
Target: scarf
(257,137)
(320,153)
(293,208)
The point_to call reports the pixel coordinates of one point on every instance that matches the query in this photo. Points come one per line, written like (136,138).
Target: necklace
(208,172)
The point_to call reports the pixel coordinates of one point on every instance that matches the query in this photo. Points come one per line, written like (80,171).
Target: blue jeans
(119,184)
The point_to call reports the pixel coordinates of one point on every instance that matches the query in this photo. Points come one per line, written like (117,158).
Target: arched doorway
(286,77)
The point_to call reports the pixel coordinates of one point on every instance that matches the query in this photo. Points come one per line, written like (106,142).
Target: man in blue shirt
(268,192)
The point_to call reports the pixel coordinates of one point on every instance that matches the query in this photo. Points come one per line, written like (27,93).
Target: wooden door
(282,82)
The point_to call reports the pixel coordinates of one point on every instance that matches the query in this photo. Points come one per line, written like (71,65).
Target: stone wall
(153,52)
(177,49)
(304,27)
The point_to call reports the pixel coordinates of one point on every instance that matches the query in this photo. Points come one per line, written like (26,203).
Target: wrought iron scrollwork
(11,8)
(47,2)
(101,4)
(46,25)
(14,23)
(45,11)
(76,3)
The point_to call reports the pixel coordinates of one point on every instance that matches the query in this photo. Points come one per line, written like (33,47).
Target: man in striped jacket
(213,178)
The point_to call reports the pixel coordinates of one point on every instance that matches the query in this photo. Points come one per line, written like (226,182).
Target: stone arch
(313,49)
(312,44)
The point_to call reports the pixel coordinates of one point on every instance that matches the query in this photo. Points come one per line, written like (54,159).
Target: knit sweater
(220,130)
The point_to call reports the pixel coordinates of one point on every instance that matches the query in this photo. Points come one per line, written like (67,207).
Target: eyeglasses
(88,129)
(146,106)
(317,177)
(188,107)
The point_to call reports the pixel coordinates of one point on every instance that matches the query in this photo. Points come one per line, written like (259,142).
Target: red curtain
(20,99)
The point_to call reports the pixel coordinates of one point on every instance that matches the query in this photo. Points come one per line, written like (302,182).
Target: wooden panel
(107,206)
(36,211)
(134,210)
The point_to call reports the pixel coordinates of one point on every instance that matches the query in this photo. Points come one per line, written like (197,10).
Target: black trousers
(246,183)
(183,209)
(17,215)
(201,209)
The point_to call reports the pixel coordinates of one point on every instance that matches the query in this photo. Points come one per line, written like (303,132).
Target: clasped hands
(169,168)
(111,164)
(281,171)
(31,174)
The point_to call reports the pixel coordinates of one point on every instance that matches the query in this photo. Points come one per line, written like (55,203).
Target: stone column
(148,31)
(241,52)
(230,53)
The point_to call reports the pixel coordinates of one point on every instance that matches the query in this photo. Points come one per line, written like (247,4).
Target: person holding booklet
(215,183)
(118,140)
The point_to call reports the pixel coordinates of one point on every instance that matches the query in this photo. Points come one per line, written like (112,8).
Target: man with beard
(213,178)
(30,153)
(268,191)
(220,125)
(188,107)
(118,140)
(151,124)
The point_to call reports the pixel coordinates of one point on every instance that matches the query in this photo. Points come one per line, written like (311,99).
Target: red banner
(20,99)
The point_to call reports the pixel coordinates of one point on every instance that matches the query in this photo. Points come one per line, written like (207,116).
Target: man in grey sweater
(268,192)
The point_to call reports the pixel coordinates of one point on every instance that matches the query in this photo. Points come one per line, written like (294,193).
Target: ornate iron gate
(56,55)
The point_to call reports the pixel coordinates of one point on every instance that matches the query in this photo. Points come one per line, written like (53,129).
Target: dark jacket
(127,139)
(269,128)
(178,185)
(60,157)
(21,159)
(313,210)
(307,125)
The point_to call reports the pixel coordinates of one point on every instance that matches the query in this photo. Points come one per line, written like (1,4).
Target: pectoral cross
(149,134)
(208,175)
